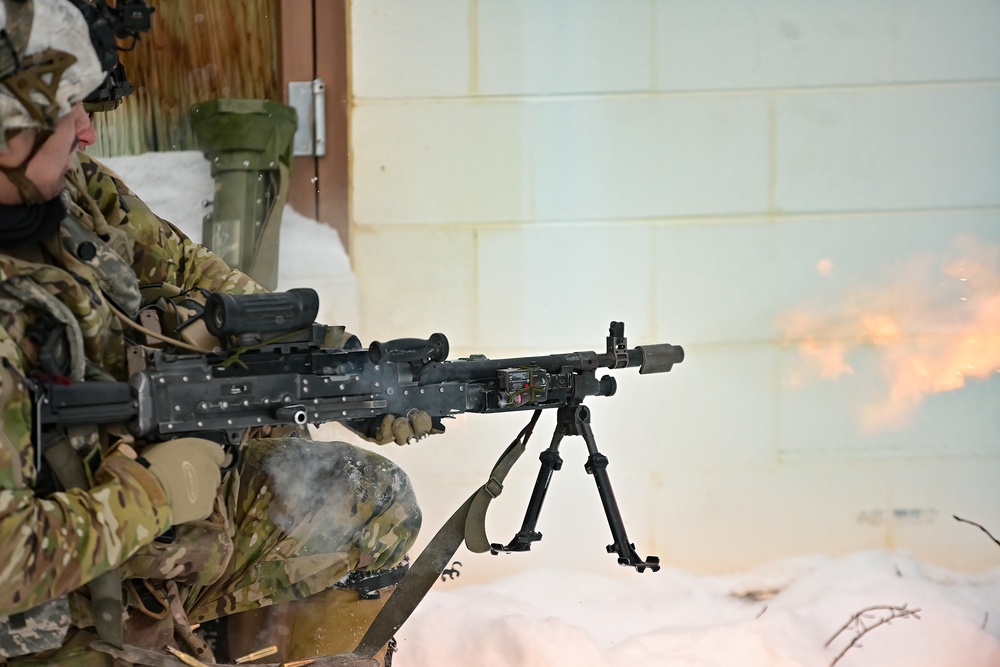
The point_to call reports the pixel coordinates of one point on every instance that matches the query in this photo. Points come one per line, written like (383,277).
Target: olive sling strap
(467,524)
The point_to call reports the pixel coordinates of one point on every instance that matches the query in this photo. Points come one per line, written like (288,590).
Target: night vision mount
(111,21)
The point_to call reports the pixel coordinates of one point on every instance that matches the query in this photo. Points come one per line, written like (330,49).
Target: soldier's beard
(25,224)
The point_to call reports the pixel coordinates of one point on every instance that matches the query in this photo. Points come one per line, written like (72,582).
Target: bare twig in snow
(958,518)
(859,622)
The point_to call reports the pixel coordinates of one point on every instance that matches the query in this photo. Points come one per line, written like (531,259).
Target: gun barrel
(658,358)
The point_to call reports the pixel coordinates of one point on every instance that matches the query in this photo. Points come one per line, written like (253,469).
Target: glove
(189,471)
(382,430)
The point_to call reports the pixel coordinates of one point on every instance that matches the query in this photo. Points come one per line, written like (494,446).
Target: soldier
(112,548)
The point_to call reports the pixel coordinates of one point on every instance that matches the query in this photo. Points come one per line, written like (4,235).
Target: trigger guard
(233,458)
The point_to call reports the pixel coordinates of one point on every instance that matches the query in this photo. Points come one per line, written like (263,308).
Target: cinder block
(723,282)
(545,287)
(947,41)
(728,44)
(401,49)
(883,406)
(538,48)
(930,492)
(772,512)
(935,147)
(716,408)
(642,157)
(593,159)
(772,281)
(450,162)
(414,282)
(705,45)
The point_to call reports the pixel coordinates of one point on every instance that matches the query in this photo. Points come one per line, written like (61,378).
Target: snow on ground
(776,616)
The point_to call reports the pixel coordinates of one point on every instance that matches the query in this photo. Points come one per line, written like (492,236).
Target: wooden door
(313,44)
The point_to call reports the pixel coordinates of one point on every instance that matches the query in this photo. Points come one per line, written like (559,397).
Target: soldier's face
(48,166)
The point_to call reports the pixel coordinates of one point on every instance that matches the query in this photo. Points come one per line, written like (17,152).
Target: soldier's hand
(189,469)
(416,424)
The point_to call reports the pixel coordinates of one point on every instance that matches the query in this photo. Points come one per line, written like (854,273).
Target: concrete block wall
(771,184)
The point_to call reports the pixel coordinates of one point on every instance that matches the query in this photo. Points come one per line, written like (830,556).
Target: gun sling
(468,524)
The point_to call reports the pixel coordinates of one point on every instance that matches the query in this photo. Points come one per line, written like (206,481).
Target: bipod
(575,420)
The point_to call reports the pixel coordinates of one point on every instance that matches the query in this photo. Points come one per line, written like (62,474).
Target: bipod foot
(632,559)
(521,542)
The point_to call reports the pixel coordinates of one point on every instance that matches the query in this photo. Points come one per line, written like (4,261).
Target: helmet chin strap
(37,216)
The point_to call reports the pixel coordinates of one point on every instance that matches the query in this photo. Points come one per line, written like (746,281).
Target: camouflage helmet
(47,63)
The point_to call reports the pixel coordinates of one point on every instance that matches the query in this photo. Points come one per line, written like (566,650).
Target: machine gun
(274,369)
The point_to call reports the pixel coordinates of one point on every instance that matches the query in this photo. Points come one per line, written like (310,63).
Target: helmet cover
(60,36)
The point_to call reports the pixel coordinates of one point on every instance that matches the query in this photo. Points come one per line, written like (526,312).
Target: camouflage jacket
(52,545)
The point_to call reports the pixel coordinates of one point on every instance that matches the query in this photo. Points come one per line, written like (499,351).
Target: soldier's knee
(343,491)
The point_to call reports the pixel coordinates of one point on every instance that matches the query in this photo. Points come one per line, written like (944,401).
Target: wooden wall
(197,50)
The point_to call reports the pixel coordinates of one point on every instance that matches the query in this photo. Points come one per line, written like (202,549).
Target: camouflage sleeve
(163,254)
(50,546)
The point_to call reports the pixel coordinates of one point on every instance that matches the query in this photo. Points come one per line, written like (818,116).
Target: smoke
(331,491)
(933,322)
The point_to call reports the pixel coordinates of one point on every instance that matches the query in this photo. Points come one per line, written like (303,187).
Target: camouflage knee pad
(305,515)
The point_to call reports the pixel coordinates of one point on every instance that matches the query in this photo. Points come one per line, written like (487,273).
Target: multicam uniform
(294,519)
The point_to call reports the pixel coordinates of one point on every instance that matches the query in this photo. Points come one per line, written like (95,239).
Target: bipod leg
(597,465)
(551,461)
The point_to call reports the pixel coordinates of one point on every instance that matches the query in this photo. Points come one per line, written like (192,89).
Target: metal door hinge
(309,100)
